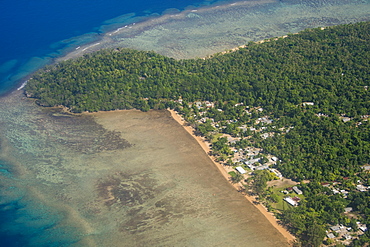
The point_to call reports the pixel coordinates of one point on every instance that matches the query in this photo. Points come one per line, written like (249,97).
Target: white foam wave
(23,85)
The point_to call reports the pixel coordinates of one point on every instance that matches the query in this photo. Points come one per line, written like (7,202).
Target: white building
(296,190)
(240,170)
(252,161)
(363,228)
(277,173)
(263,167)
(274,159)
(290,201)
(361,188)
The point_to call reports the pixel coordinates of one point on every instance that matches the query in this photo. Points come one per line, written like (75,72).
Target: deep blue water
(31,35)
(29,224)
(34,28)
(24,222)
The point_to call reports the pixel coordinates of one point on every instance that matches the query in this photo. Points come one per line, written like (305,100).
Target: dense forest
(328,139)
(329,67)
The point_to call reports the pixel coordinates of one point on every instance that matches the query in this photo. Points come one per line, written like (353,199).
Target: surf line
(84,49)
(119,29)
(23,85)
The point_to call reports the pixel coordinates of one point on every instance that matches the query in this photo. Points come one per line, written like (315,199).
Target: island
(286,117)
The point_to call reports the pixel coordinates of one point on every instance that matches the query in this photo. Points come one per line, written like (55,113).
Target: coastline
(207,30)
(141,24)
(206,148)
(239,23)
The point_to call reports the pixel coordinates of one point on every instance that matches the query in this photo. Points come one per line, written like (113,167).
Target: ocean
(36,31)
(134,179)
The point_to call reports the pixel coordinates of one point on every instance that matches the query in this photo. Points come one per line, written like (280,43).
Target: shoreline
(117,33)
(206,148)
(140,24)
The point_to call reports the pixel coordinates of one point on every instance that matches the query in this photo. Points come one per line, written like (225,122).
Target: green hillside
(330,67)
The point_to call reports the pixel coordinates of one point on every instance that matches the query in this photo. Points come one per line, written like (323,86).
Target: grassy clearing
(232,174)
(215,137)
(282,205)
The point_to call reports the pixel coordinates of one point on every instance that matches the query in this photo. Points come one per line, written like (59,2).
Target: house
(366,167)
(198,104)
(264,120)
(291,201)
(330,235)
(277,173)
(274,159)
(252,167)
(325,184)
(347,236)
(265,135)
(344,193)
(346,119)
(347,210)
(208,104)
(308,103)
(296,190)
(264,167)
(361,188)
(322,115)
(335,228)
(252,161)
(240,170)
(296,199)
(363,228)
(243,127)
(231,139)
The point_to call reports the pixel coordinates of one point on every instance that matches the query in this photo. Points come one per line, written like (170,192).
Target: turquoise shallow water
(70,181)
(205,31)
(125,179)
(25,220)
(34,32)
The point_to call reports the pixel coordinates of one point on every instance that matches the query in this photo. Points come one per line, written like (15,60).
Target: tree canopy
(328,67)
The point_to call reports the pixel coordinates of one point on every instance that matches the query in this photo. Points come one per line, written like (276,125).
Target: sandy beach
(206,147)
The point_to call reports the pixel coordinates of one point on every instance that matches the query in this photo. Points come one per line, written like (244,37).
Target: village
(232,143)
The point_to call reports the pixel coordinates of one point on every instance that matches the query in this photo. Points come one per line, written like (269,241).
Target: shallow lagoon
(208,30)
(123,178)
(136,178)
